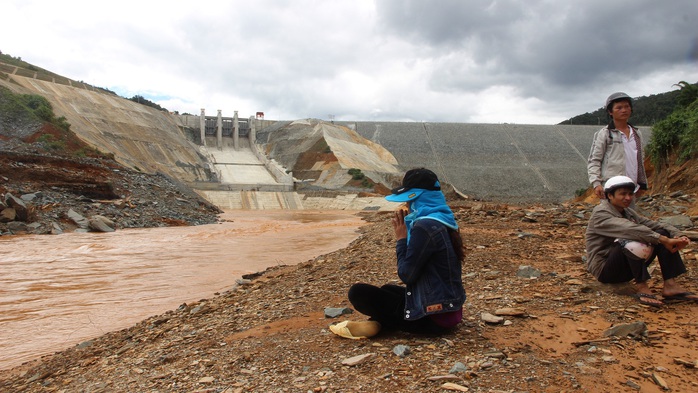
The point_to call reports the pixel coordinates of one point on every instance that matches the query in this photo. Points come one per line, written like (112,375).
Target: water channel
(57,291)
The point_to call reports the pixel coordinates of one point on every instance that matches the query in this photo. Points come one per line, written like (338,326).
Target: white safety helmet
(640,250)
(619,182)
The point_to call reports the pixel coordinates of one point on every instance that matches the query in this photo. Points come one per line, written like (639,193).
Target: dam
(511,162)
(239,163)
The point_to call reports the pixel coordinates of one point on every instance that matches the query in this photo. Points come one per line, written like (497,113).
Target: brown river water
(58,291)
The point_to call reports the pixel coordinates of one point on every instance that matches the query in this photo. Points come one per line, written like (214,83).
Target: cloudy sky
(489,61)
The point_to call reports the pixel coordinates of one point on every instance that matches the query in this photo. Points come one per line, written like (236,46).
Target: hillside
(647,110)
(47,172)
(138,137)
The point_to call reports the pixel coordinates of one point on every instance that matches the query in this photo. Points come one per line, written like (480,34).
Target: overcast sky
(476,61)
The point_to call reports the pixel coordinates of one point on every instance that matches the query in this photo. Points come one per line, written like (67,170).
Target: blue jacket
(430,269)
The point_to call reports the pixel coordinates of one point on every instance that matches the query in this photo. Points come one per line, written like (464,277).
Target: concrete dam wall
(493,161)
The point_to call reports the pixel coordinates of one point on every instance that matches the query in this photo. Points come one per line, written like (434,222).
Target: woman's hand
(399,226)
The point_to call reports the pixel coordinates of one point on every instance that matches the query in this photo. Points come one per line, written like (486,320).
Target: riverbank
(270,333)
(43,194)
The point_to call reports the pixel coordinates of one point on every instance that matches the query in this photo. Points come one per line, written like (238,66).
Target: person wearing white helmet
(617,148)
(621,244)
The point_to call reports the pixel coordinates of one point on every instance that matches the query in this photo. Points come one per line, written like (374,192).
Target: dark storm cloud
(442,60)
(541,44)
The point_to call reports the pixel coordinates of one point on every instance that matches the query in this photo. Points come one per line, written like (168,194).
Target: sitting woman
(429,256)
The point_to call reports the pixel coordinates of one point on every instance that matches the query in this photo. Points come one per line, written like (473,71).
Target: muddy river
(57,291)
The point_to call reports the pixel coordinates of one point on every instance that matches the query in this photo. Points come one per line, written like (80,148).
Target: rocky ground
(540,328)
(41,193)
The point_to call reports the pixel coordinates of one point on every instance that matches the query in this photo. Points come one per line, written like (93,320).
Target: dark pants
(623,266)
(386,305)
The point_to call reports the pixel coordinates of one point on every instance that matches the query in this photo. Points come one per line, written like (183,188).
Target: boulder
(78,219)
(528,272)
(99,223)
(56,229)
(17,227)
(20,207)
(334,312)
(8,214)
(680,222)
(29,197)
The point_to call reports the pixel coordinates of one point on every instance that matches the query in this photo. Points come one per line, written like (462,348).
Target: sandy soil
(270,333)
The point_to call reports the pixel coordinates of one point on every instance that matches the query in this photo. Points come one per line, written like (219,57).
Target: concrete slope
(493,161)
(139,137)
(253,200)
(238,166)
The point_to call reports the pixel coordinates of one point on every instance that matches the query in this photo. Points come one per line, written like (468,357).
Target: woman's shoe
(356,329)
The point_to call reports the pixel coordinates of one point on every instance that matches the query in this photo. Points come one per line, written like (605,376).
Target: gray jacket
(607,224)
(607,157)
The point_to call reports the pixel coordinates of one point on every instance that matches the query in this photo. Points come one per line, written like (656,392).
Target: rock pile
(41,196)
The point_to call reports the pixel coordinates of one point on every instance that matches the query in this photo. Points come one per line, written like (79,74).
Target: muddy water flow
(57,291)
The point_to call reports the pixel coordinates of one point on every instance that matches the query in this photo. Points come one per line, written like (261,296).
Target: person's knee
(358,291)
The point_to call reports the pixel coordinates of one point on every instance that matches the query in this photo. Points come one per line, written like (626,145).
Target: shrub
(356,174)
(580,191)
(46,138)
(62,123)
(50,142)
(678,133)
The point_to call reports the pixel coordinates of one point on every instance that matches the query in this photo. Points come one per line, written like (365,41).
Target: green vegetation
(144,101)
(27,108)
(677,134)
(51,143)
(15,61)
(24,108)
(30,112)
(8,64)
(356,174)
(580,191)
(647,110)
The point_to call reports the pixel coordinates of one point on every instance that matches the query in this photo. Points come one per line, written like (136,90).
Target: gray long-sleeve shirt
(607,158)
(607,224)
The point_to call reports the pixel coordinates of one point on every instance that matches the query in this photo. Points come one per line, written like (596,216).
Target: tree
(687,94)
(677,134)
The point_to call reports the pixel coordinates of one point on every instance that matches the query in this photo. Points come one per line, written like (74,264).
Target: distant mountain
(646,111)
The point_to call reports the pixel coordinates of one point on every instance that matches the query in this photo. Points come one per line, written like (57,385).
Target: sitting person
(621,244)
(429,255)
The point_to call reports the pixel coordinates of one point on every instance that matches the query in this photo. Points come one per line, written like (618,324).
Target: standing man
(617,148)
(621,244)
